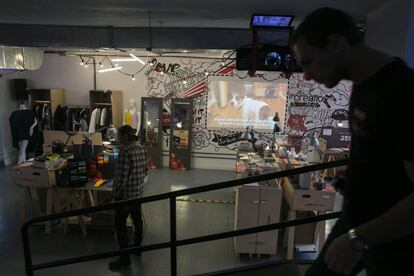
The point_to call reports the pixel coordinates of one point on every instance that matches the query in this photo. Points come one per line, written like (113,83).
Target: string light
(206,73)
(133,77)
(81,63)
(184,82)
(100,64)
(162,73)
(86,65)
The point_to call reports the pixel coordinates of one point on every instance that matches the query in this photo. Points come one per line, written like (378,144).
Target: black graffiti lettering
(174,67)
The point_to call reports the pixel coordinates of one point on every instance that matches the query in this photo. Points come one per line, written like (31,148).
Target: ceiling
(167,13)
(227,14)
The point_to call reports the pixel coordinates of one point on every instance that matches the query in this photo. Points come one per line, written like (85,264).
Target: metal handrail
(173,243)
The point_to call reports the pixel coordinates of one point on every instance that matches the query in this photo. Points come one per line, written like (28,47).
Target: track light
(110,69)
(123,60)
(137,58)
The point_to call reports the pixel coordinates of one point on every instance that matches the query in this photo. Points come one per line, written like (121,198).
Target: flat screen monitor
(271,21)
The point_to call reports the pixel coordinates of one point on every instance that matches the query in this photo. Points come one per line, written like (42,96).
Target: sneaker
(120,263)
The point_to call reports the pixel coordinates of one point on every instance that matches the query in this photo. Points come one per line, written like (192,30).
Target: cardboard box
(307,200)
(27,176)
(305,233)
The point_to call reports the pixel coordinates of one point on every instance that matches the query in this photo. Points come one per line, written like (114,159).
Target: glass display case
(151,130)
(180,134)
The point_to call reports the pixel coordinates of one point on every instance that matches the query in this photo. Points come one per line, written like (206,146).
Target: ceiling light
(137,58)
(110,69)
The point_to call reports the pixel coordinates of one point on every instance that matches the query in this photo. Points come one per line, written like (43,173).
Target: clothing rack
(43,101)
(72,105)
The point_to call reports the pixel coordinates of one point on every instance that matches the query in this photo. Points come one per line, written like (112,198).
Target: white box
(307,200)
(26,175)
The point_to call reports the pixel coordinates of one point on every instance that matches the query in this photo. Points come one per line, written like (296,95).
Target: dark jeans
(121,215)
(376,262)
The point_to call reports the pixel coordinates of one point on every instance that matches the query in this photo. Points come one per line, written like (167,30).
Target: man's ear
(336,42)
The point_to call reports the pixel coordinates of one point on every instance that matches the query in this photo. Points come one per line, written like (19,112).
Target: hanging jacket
(20,123)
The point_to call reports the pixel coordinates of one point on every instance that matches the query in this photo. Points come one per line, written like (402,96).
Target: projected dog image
(252,109)
(236,104)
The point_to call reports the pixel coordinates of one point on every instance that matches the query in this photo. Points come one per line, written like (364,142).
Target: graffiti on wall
(312,105)
(188,79)
(309,105)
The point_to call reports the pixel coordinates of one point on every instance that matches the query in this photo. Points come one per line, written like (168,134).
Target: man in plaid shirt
(130,172)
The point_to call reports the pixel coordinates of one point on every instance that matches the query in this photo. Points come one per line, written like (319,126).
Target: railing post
(173,234)
(27,251)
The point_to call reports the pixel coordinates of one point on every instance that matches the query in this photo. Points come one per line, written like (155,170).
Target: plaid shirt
(130,171)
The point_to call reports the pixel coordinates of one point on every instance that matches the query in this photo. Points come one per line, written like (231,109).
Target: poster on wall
(235,104)
(312,105)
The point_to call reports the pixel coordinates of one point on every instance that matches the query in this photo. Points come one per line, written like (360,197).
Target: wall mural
(312,105)
(185,79)
(309,105)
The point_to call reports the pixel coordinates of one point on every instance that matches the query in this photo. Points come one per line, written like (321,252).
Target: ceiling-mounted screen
(270,21)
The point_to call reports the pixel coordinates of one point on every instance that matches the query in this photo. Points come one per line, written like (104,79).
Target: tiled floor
(193,219)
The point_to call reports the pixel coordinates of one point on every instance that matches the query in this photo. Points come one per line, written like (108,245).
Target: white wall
(388,27)
(8,154)
(67,73)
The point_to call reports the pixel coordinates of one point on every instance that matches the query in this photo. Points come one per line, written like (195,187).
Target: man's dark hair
(321,23)
(127,131)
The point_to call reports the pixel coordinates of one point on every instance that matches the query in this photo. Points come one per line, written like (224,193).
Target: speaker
(268,58)
(19,89)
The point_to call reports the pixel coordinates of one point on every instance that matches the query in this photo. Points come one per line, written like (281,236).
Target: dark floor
(193,219)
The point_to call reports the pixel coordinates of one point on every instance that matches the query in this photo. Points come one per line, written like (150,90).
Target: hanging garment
(108,119)
(83,125)
(103,117)
(92,122)
(59,119)
(97,119)
(128,118)
(20,123)
(47,117)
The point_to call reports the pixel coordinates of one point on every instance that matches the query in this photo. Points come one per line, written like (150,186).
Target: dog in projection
(251,109)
